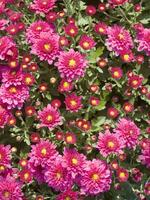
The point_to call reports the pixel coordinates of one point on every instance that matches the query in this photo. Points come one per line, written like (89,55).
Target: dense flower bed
(74,100)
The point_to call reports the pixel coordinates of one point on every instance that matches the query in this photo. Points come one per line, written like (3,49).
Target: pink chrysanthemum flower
(7,46)
(57,176)
(37,27)
(5,155)
(50,117)
(65,86)
(47,47)
(3,23)
(41,155)
(116,72)
(143,40)
(86,42)
(101,28)
(10,189)
(43,6)
(4,116)
(128,131)
(12,77)
(119,39)
(145,156)
(71,65)
(73,102)
(71,30)
(68,195)
(95,178)
(14,96)
(135,81)
(25,175)
(73,161)
(109,143)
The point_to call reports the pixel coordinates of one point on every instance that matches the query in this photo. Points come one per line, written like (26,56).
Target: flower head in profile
(4,116)
(43,6)
(47,47)
(95,178)
(145,155)
(71,65)
(50,117)
(73,102)
(128,131)
(119,39)
(109,143)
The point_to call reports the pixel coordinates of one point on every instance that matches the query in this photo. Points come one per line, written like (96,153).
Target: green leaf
(93,55)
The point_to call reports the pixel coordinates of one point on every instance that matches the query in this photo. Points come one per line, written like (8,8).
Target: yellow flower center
(58,175)
(28,80)
(49,118)
(66,84)
(86,44)
(72,63)
(6,194)
(47,47)
(111,144)
(74,161)
(26,176)
(72,31)
(67,198)
(95,177)
(121,36)
(13,90)
(38,28)
(135,82)
(101,30)
(73,102)
(2,168)
(44,151)
(126,57)
(122,175)
(69,138)
(116,74)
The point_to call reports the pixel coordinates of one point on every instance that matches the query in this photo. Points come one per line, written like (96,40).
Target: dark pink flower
(145,156)
(73,102)
(71,65)
(86,42)
(101,28)
(68,195)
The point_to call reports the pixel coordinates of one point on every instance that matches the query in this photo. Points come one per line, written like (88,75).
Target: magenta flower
(47,47)
(101,28)
(37,27)
(119,39)
(50,117)
(116,72)
(68,195)
(57,176)
(145,156)
(7,47)
(10,189)
(43,6)
(95,178)
(14,96)
(73,161)
(73,102)
(143,40)
(4,116)
(71,65)
(135,81)
(109,143)
(86,42)
(128,131)
(5,156)
(65,86)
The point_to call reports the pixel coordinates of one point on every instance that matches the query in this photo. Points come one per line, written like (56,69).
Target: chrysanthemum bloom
(65,86)
(73,102)
(127,56)
(28,79)
(70,138)
(47,47)
(147,188)
(86,42)
(71,65)
(71,30)
(128,107)
(10,189)
(12,77)
(14,96)
(145,156)
(128,131)
(143,40)
(112,112)
(116,72)
(25,175)
(122,175)
(90,10)
(73,161)
(4,115)
(135,81)
(3,23)
(57,176)
(41,155)
(109,143)
(101,28)
(117,2)
(5,156)
(37,27)
(68,195)
(50,117)
(118,40)
(7,47)
(43,6)
(95,178)
(94,101)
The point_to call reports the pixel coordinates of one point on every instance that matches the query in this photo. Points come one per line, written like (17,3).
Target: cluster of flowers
(76,88)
